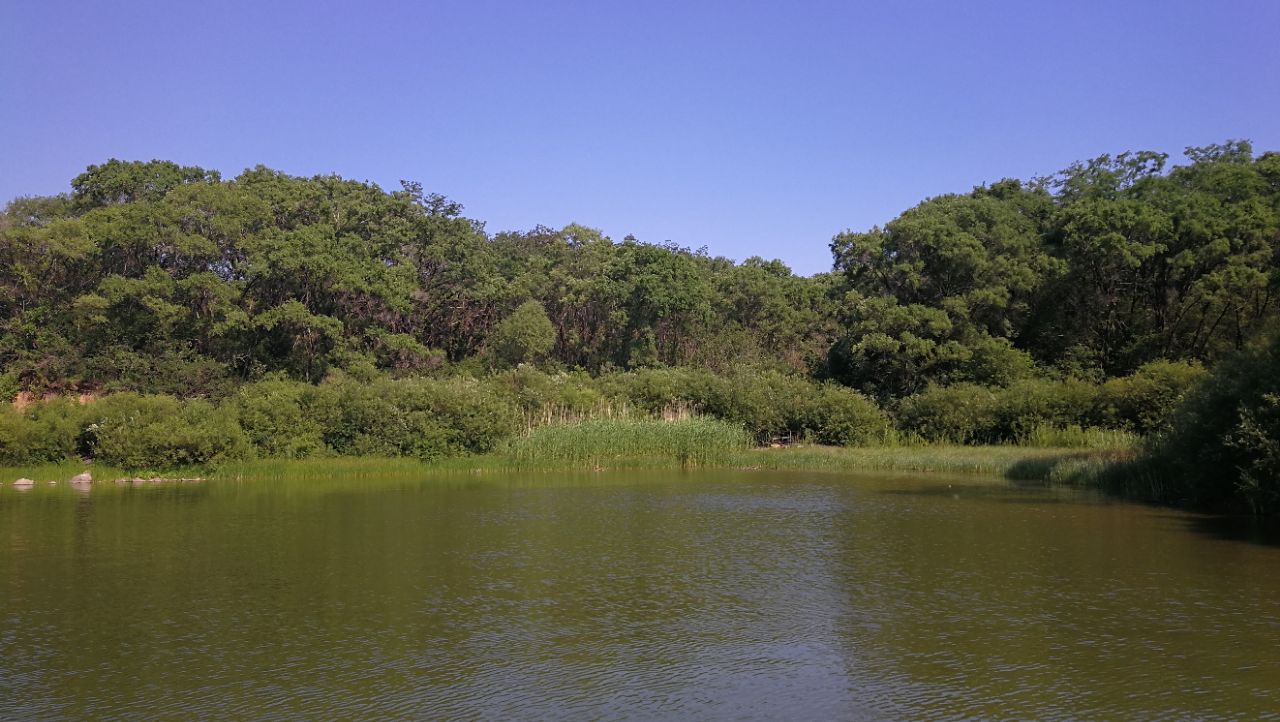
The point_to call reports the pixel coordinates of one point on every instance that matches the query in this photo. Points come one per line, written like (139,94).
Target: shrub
(277,418)
(1036,403)
(53,430)
(134,431)
(765,402)
(1143,401)
(995,362)
(843,417)
(960,413)
(655,389)
(184,374)
(537,392)
(475,419)
(12,429)
(1223,446)
(972,414)
(10,385)
(48,431)
(426,418)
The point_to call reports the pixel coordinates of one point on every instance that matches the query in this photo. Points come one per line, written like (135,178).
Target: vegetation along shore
(1111,324)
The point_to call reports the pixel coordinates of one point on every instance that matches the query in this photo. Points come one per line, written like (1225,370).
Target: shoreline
(1017,463)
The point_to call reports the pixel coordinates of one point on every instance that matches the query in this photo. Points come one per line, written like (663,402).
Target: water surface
(628,595)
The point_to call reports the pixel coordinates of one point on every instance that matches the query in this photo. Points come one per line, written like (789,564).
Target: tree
(524,336)
(117,181)
(1223,450)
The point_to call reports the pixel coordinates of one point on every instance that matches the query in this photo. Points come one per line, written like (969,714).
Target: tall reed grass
(1076,437)
(60,471)
(554,414)
(1020,462)
(614,443)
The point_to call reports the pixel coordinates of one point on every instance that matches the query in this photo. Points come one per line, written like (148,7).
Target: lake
(628,595)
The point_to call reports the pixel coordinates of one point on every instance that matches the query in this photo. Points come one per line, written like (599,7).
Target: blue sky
(753,128)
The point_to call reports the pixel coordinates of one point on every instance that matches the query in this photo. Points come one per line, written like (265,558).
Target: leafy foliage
(282,316)
(1223,448)
(525,335)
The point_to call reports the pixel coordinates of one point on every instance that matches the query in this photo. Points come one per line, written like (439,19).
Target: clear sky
(753,128)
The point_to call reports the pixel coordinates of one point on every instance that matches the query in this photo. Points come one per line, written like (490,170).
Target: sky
(751,128)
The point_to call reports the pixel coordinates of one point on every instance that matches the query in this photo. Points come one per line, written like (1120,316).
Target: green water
(650,595)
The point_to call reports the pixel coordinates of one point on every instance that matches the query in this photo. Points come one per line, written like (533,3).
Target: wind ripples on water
(713,595)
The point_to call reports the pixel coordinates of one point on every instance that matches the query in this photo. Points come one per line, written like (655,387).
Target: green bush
(1223,447)
(357,419)
(173,373)
(843,417)
(655,389)
(1143,401)
(10,385)
(1036,403)
(12,430)
(134,431)
(426,418)
(53,430)
(46,432)
(277,416)
(765,402)
(995,362)
(537,392)
(972,414)
(474,418)
(958,414)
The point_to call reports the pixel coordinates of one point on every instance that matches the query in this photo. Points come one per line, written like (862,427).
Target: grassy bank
(649,444)
(1023,463)
(603,444)
(629,443)
(62,472)
(1069,456)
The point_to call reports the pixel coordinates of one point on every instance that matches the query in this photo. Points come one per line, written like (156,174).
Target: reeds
(1013,461)
(622,442)
(1076,437)
(58,471)
(605,410)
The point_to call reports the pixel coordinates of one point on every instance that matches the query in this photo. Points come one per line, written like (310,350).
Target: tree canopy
(153,276)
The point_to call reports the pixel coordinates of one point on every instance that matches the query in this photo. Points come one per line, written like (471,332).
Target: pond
(628,595)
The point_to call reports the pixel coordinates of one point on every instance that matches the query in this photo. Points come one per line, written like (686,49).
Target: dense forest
(324,315)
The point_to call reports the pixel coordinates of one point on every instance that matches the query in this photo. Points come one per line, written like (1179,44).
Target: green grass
(1075,437)
(599,445)
(345,467)
(60,472)
(1015,462)
(1078,457)
(624,443)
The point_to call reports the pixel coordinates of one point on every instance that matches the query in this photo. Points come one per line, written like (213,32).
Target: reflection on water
(639,595)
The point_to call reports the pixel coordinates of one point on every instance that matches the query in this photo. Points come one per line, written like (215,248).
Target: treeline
(1091,273)
(1056,302)
(158,278)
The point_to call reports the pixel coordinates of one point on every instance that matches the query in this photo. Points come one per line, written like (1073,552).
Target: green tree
(524,336)
(117,181)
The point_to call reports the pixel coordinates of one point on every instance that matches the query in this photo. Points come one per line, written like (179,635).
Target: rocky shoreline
(86,479)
